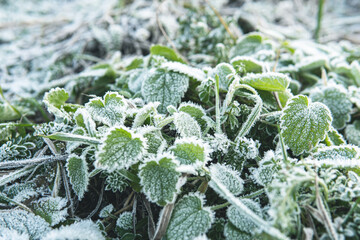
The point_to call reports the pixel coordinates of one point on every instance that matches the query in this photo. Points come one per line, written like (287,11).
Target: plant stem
(217,103)
(220,206)
(32,161)
(283,148)
(319,19)
(352,209)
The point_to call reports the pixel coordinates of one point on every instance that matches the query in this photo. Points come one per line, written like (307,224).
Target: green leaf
(156,142)
(240,219)
(144,113)
(186,125)
(335,137)
(336,99)
(191,72)
(225,72)
(355,72)
(23,223)
(276,82)
(110,111)
(352,132)
(304,124)
(247,64)
(189,219)
(232,233)
(52,209)
(84,120)
(78,173)
(72,138)
(166,87)
(120,149)
(248,45)
(125,221)
(195,111)
(159,179)
(311,63)
(166,52)
(228,177)
(190,151)
(55,100)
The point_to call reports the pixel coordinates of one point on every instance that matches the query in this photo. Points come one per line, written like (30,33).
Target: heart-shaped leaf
(189,219)
(304,124)
(120,149)
(159,179)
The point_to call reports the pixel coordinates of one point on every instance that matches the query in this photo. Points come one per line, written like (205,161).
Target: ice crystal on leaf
(184,69)
(352,132)
(155,141)
(54,101)
(160,178)
(189,219)
(228,177)
(336,99)
(190,151)
(106,211)
(84,120)
(125,221)
(186,125)
(225,72)
(115,182)
(144,113)
(78,173)
(231,233)
(240,220)
(23,223)
(110,111)
(267,81)
(303,123)
(52,209)
(166,87)
(120,149)
(247,148)
(247,64)
(195,111)
(80,230)
(250,45)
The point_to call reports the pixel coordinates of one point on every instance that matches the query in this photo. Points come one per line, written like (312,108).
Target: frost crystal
(247,148)
(186,125)
(106,211)
(352,132)
(267,81)
(232,233)
(78,173)
(125,221)
(115,182)
(219,143)
(52,209)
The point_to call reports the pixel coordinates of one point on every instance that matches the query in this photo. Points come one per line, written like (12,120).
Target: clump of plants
(258,139)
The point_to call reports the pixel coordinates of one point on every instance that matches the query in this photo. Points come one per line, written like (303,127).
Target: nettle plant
(262,144)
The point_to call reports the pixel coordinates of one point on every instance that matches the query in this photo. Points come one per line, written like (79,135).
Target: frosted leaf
(110,111)
(248,45)
(166,52)
(78,173)
(106,211)
(355,72)
(20,192)
(304,124)
(155,140)
(52,209)
(228,177)
(270,81)
(336,99)
(136,78)
(354,93)
(335,137)
(185,69)
(120,149)
(232,233)
(246,148)
(84,230)
(166,87)
(115,182)
(190,151)
(23,223)
(54,101)
(7,234)
(338,156)
(311,63)
(195,111)
(240,220)
(189,219)
(84,120)
(225,72)
(249,64)
(352,132)
(160,178)
(186,125)
(144,113)
(264,174)
(125,221)
(219,143)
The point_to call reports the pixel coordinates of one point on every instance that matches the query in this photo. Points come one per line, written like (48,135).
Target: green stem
(220,206)
(165,122)
(352,209)
(203,186)
(217,103)
(283,148)
(319,19)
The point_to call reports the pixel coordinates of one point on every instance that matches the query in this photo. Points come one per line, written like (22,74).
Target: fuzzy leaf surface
(228,177)
(186,125)
(276,82)
(52,209)
(303,124)
(189,219)
(190,151)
